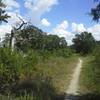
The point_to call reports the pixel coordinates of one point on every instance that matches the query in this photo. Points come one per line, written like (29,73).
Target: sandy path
(74,83)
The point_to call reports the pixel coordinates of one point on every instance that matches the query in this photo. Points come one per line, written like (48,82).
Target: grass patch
(41,75)
(90,76)
(59,69)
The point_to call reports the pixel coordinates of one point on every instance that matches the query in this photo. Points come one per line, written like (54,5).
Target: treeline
(84,43)
(89,48)
(32,38)
(90,76)
(19,75)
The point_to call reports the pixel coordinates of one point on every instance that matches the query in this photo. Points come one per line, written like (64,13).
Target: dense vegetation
(33,69)
(3,15)
(40,66)
(90,77)
(33,73)
(30,37)
(95,12)
(84,43)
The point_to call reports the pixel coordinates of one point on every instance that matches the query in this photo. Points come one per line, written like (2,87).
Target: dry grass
(59,69)
(89,79)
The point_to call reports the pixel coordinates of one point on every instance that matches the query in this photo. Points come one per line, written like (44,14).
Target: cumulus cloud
(13,21)
(5,29)
(95,30)
(45,22)
(12,7)
(61,31)
(77,28)
(11,4)
(37,8)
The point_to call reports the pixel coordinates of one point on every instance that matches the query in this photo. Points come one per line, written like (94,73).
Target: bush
(14,67)
(97,56)
(66,52)
(9,69)
(38,87)
(17,76)
(63,52)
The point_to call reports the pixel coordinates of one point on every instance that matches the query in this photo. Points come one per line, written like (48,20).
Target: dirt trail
(74,83)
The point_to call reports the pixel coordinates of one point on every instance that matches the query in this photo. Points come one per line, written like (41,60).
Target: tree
(95,12)
(31,37)
(54,42)
(14,32)
(84,43)
(3,14)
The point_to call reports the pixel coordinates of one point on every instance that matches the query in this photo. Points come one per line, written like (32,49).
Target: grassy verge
(90,77)
(59,69)
(42,76)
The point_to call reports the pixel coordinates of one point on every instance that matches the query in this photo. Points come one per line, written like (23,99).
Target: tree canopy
(84,43)
(3,14)
(95,12)
(31,37)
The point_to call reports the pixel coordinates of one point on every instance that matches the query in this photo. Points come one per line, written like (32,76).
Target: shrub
(9,72)
(14,67)
(97,55)
(63,52)
(16,76)
(38,87)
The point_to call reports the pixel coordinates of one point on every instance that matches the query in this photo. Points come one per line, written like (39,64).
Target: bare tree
(14,31)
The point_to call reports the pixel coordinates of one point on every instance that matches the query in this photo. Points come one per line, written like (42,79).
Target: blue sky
(64,18)
(70,10)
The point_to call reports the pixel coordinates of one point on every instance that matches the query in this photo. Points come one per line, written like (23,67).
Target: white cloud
(45,22)
(13,21)
(14,18)
(37,8)
(12,7)
(5,29)
(95,30)
(61,31)
(11,4)
(77,28)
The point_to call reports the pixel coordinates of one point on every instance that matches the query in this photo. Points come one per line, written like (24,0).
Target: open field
(59,69)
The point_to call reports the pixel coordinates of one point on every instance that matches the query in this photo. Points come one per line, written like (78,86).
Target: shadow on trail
(89,96)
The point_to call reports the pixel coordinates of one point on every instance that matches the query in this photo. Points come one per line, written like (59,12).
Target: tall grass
(35,74)
(90,76)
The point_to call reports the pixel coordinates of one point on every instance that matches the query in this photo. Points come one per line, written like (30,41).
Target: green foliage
(95,12)
(84,43)
(3,15)
(33,38)
(20,69)
(32,89)
(12,66)
(97,55)
(39,87)
(18,76)
(90,76)
(62,52)
(28,74)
